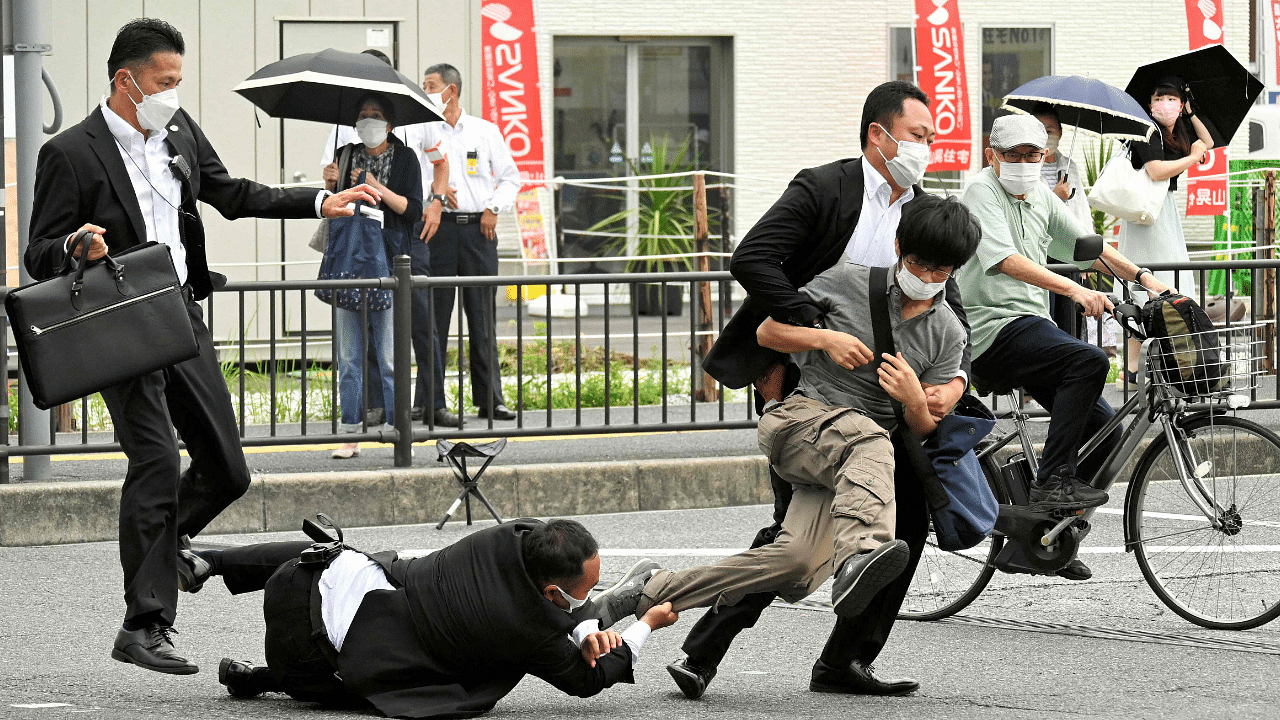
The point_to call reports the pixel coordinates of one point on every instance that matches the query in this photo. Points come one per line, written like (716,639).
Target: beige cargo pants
(840,463)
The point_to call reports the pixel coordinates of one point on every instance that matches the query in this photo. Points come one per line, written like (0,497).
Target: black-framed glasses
(1013,157)
(922,267)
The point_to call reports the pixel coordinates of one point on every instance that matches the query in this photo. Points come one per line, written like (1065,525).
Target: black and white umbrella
(325,87)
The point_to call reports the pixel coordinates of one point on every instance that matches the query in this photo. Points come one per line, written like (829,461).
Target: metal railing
(684,399)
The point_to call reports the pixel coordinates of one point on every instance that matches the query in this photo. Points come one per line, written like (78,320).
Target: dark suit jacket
(465,624)
(804,233)
(81,178)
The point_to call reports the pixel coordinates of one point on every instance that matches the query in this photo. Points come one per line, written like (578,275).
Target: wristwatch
(493,209)
(1137,277)
(432,197)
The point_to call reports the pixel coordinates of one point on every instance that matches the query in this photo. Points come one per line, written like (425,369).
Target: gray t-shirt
(932,342)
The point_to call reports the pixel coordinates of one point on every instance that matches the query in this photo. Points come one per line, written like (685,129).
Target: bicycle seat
(987,387)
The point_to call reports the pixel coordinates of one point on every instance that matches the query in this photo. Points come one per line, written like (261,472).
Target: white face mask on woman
(915,288)
(156,109)
(1019,178)
(908,166)
(372,132)
(1166,110)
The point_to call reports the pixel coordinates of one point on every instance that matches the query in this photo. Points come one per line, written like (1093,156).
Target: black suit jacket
(804,233)
(81,178)
(464,625)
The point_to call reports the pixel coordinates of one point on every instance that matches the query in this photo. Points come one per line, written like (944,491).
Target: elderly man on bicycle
(1006,296)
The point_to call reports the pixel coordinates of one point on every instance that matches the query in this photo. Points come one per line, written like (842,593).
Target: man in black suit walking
(131,172)
(845,209)
(448,634)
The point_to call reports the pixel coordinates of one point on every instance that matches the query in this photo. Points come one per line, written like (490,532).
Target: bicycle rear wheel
(945,582)
(1225,577)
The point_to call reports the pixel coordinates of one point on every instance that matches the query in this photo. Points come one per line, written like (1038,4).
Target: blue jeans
(351,343)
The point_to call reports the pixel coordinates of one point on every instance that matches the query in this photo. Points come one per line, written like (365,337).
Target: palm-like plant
(664,215)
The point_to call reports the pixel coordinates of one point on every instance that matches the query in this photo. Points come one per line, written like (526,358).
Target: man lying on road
(450,633)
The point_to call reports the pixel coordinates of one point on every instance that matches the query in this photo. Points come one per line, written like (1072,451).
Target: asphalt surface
(1103,648)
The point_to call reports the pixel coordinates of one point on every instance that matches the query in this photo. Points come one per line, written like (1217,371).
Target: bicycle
(1201,512)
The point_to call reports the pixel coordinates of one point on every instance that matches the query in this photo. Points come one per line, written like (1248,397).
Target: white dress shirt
(877,228)
(157,188)
(343,586)
(496,180)
(634,636)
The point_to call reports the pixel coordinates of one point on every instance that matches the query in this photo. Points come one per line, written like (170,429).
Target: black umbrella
(1222,90)
(1087,104)
(325,87)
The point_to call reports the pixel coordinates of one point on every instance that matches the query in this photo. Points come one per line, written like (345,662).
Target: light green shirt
(1036,228)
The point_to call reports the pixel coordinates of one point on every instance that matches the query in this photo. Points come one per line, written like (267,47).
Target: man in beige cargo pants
(830,439)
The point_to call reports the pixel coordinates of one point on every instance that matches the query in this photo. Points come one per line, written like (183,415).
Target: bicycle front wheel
(1222,573)
(945,582)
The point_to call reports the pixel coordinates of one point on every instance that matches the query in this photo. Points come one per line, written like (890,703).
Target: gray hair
(448,74)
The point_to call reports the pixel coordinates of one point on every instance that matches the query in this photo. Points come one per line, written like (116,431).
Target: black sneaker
(1063,491)
(1075,570)
(865,574)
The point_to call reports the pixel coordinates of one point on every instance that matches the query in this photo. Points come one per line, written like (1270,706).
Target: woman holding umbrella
(1180,142)
(393,170)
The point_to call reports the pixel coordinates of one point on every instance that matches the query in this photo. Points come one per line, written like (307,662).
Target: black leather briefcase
(99,324)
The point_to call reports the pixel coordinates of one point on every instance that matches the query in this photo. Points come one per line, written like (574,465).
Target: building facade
(759,89)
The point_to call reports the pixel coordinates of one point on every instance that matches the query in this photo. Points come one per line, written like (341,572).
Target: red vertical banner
(512,100)
(512,94)
(1206,197)
(940,58)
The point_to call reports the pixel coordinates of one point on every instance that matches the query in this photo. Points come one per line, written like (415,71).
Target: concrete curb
(70,512)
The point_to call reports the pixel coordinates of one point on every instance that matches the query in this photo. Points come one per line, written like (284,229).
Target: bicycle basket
(1212,362)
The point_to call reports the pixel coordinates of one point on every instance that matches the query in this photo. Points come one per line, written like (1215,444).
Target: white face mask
(1019,178)
(908,166)
(156,109)
(437,98)
(1166,111)
(915,288)
(574,603)
(372,132)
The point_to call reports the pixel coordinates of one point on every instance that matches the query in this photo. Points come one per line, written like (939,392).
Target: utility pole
(28,47)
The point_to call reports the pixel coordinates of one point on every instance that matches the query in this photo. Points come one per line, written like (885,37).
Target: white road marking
(40,706)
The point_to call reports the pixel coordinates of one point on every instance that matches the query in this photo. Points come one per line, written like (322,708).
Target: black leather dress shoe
(243,679)
(152,648)
(691,677)
(193,570)
(857,679)
(445,418)
(416,414)
(500,412)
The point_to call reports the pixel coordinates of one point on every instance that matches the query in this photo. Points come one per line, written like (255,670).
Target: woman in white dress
(1181,141)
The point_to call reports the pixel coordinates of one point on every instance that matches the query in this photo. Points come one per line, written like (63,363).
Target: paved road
(62,605)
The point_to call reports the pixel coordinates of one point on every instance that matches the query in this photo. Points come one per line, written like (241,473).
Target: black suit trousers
(861,637)
(426,348)
(160,501)
(461,250)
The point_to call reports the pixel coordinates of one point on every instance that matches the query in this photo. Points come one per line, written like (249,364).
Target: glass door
(626,107)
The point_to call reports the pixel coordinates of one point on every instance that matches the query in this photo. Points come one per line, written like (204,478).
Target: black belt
(461,218)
